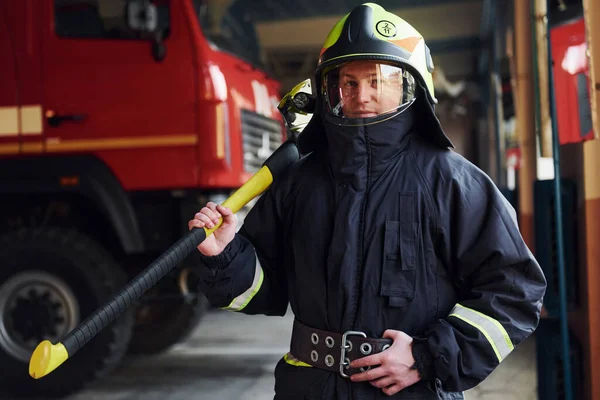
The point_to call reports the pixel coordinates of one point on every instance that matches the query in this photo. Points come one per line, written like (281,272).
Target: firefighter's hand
(391,369)
(208,217)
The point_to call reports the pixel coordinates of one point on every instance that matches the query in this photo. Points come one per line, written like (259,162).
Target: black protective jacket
(378,228)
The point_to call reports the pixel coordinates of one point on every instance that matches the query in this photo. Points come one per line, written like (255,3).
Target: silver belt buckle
(345,362)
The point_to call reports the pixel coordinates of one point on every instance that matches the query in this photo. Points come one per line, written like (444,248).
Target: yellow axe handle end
(46,358)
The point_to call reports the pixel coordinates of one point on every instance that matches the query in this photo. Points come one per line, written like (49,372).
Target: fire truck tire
(50,280)
(167,325)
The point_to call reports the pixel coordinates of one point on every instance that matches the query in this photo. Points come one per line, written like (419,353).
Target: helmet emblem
(386,28)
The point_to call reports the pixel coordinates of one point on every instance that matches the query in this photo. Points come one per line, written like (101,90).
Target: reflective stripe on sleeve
(241,301)
(491,329)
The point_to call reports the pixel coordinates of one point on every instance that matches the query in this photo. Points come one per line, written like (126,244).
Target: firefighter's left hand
(391,369)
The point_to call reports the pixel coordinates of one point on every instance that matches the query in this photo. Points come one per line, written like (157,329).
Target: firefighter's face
(368,88)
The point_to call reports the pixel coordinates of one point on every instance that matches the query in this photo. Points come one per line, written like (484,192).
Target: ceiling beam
(442,46)
(440,22)
(259,10)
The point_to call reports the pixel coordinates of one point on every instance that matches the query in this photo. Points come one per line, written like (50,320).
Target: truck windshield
(228,28)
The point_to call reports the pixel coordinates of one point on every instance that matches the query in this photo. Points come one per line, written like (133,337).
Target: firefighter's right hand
(208,217)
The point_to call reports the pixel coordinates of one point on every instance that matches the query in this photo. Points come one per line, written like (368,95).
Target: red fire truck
(118,120)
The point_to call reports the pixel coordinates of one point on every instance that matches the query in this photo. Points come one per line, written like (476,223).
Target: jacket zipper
(361,243)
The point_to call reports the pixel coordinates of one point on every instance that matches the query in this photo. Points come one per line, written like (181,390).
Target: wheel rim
(35,306)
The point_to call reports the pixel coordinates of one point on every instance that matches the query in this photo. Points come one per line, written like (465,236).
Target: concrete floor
(232,356)
(514,379)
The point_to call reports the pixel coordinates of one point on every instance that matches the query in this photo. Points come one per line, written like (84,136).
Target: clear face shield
(365,92)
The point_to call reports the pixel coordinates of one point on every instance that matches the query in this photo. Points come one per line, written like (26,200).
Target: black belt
(334,351)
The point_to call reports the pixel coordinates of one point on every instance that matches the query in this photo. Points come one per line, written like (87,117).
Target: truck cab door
(105,93)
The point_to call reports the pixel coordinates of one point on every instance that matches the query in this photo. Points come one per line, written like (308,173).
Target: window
(229,29)
(103,19)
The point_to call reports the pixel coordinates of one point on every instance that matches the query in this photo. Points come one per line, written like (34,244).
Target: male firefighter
(401,261)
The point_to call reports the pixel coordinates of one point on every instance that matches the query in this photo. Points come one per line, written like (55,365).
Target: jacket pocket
(400,257)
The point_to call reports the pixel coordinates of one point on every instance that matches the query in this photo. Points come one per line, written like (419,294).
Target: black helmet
(381,45)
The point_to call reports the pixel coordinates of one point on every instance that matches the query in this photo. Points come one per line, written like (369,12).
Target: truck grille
(261,136)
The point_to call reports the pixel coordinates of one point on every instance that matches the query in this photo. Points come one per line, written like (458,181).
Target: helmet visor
(367,89)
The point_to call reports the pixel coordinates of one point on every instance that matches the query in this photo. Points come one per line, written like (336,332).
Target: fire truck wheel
(50,280)
(161,326)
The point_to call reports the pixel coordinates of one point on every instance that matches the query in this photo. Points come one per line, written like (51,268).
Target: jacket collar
(356,153)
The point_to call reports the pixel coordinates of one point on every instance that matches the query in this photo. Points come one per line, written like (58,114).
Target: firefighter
(401,261)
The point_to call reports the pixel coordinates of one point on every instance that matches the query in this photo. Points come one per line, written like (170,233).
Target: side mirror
(142,16)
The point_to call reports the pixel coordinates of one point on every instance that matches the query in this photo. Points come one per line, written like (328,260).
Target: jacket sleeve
(499,284)
(248,276)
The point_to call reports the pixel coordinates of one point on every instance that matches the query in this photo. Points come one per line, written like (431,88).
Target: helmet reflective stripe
(396,41)
(333,35)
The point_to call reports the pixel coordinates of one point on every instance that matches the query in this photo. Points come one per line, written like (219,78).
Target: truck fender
(86,175)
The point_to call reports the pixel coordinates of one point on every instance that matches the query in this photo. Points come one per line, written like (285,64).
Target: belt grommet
(364,369)
(348,345)
(314,338)
(385,347)
(329,361)
(329,342)
(366,348)
(314,356)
